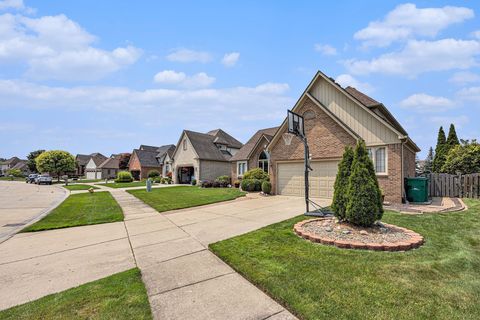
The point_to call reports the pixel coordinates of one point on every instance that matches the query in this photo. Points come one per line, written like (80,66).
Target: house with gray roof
(9,164)
(149,158)
(203,156)
(92,170)
(253,154)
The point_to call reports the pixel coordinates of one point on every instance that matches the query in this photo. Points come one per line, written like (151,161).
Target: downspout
(404,195)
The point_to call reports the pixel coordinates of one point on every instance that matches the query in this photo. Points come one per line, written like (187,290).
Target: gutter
(404,195)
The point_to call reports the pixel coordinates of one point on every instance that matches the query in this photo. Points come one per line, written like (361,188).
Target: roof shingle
(244,152)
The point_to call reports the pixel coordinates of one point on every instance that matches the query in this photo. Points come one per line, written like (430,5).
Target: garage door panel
(321,179)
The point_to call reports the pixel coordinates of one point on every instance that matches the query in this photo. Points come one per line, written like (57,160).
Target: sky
(106,76)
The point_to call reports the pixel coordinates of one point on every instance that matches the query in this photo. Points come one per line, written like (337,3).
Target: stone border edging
(414,242)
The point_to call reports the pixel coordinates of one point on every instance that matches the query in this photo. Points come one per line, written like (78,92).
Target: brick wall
(391,184)
(210,170)
(326,139)
(409,162)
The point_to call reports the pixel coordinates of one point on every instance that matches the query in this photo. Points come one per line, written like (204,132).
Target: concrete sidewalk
(184,279)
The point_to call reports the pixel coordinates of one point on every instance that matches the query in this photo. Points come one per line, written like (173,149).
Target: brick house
(148,158)
(253,154)
(9,164)
(203,156)
(334,118)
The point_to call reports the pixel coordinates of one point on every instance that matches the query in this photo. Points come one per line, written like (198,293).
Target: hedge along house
(334,118)
(253,154)
(203,156)
(148,158)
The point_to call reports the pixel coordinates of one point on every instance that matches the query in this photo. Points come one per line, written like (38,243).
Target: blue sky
(107,76)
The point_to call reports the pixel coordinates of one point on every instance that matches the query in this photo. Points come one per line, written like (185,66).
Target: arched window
(263,161)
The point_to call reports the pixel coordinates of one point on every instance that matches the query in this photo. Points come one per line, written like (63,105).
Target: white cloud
(230,59)
(464,77)
(346,80)
(12,4)
(407,21)
(470,94)
(55,47)
(421,56)
(476,34)
(325,49)
(169,76)
(194,106)
(424,103)
(186,55)
(198,80)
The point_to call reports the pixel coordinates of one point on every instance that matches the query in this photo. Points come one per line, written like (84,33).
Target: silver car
(43,179)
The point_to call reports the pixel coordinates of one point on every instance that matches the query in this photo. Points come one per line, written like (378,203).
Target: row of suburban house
(334,117)
(14,163)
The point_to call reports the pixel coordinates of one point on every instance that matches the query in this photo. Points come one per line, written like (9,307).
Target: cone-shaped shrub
(340,198)
(364,205)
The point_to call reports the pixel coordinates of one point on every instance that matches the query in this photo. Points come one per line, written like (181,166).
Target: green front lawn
(120,296)
(79,186)
(171,198)
(88,180)
(124,184)
(440,280)
(12,179)
(80,210)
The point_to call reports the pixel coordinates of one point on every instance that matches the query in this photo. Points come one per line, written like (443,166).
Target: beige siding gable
(185,157)
(361,121)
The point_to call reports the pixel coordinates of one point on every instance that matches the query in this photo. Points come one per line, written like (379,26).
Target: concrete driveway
(184,279)
(22,203)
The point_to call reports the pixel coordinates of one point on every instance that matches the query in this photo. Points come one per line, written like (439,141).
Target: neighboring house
(22,166)
(81,161)
(253,154)
(334,118)
(167,162)
(109,168)
(92,170)
(9,164)
(148,158)
(203,156)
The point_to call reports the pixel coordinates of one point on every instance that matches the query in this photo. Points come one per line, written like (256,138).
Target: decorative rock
(346,231)
(329,229)
(363,232)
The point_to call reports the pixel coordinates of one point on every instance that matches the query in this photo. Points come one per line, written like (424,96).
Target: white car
(43,179)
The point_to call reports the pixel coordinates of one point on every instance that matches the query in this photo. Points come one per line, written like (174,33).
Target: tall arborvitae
(428,161)
(452,139)
(340,198)
(364,205)
(440,151)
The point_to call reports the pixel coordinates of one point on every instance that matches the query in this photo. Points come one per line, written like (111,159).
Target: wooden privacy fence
(452,185)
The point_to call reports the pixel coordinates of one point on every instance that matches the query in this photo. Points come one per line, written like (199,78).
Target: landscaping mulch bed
(382,236)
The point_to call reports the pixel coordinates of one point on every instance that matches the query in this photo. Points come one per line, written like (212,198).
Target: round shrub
(207,184)
(124,176)
(153,174)
(157,179)
(257,185)
(236,183)
(256,173)
(216,184)
(194,182)
(246,184)
(15,173)
(266,187)
(251,185)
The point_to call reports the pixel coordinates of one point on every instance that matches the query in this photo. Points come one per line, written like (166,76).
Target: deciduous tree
(56,162)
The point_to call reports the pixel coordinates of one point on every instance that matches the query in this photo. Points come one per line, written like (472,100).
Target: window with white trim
(379,159)
(263,161)
(241,168)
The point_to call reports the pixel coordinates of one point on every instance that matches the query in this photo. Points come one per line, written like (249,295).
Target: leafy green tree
(340,198)
(463,158)
(56,161)
(364,205)
(440,151)
(31,164)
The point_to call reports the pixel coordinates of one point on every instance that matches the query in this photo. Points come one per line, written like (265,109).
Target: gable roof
(204,146)
(82,159)
(163,150)
(147,158)
(97,158)
(373,107)
(110,163)
(12,160)
(224,138)
(245,152)
(22,164)
(147,148)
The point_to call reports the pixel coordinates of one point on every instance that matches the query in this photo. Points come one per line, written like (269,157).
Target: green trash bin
(417,189)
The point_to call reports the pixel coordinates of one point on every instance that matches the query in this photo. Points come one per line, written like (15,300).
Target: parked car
(43,179)
(31,178)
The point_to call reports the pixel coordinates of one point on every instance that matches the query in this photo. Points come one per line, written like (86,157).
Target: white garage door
(322,179)
(91,175)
